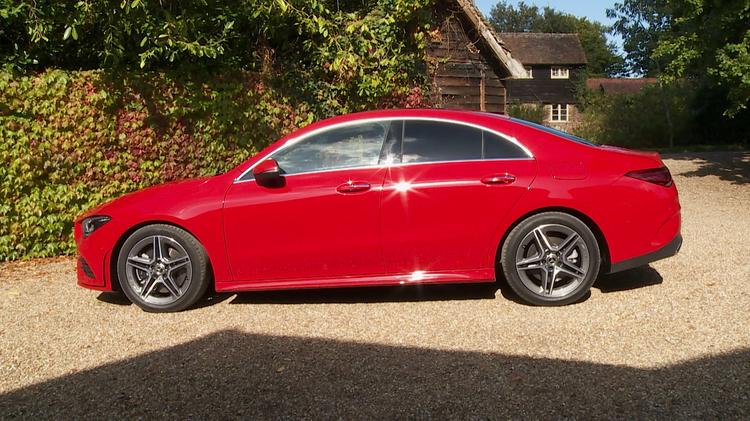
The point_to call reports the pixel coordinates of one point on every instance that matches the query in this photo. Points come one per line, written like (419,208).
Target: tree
(710,43)
(641,24)
(601,55)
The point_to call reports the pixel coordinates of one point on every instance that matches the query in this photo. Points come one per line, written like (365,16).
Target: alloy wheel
(552,260)
(159,269)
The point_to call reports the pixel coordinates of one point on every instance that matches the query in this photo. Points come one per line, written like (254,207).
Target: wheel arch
(593,226)
(114,278)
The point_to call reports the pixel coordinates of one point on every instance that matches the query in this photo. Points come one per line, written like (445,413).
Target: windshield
(553,131)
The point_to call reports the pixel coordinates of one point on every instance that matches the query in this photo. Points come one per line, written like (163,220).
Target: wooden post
(482,91)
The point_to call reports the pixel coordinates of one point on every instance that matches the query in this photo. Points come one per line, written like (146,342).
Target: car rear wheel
(162,268)
(551,259)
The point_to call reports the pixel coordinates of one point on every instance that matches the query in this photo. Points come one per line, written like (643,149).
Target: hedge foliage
(71,140)
(146,96)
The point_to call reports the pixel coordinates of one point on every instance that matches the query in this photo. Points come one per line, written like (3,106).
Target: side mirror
(268,174)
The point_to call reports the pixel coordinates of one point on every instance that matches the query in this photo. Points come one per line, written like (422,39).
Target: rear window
(555,132)
(495,147)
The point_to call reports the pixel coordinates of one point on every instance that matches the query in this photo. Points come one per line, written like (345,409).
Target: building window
(559,113)
(529,73)
(560,73)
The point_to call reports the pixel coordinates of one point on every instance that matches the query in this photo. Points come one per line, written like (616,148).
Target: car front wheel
(162,268)
(551,258)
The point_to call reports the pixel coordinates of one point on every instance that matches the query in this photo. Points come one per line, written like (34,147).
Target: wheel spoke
(157,248)
(551,281)
(542,240)
(139,263)
(545,278)
(177,263)
(531,267)
(571,270)
(568,243)
(528,263)
(171,286)
(148,287)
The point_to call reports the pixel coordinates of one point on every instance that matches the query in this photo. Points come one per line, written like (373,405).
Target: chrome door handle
(499,179)
(353,187)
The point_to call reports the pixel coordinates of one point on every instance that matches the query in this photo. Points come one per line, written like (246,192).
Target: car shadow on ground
(729,166)
(623,281)
(232,374)
(406,293)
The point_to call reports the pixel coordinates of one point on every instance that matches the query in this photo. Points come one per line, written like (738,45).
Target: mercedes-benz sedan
(391,198)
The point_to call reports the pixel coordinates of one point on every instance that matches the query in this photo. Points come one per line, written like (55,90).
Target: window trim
(564,70)
(295,140)
(552,113)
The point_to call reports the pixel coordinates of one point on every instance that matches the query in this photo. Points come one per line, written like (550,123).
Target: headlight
(93,223)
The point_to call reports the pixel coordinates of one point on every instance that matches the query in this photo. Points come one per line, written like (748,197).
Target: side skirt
(415,278)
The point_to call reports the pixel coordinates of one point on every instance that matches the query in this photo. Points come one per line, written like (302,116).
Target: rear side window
(495,147)
(429,141)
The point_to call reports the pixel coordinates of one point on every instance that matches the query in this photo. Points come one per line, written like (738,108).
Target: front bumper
(670,249)
(92,267)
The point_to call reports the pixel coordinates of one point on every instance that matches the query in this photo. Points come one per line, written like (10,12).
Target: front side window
(431,141)
(559,112)
(560,72)
(343,147)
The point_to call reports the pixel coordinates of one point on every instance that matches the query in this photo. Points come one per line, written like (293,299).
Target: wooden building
(554,64)
(469,64)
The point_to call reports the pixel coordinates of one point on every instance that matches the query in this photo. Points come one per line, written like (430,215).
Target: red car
(390,198)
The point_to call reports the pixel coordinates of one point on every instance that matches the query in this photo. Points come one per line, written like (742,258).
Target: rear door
(446,194)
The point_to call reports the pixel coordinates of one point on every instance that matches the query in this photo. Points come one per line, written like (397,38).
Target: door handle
(353,187)
(499,179)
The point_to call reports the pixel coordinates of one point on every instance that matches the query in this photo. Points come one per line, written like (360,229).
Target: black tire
(165,293)
(524,244)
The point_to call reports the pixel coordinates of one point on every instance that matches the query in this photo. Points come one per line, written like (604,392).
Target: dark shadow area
(119,298)
(406,293)
(231,374)
(114,297)
(639,277)
(728,166)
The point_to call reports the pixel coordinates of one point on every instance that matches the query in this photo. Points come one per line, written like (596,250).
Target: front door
(324,222)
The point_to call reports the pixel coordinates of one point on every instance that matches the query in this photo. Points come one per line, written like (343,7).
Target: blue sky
(592,9)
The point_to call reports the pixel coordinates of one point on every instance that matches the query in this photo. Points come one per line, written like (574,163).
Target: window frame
(293,141)
(559,114)
(564,72)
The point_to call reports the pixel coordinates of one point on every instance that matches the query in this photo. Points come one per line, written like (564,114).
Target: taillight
(660,176)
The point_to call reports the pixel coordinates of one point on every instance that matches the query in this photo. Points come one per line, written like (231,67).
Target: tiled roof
(544,48)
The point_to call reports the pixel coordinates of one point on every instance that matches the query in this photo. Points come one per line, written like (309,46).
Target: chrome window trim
(298,139)
(384,166)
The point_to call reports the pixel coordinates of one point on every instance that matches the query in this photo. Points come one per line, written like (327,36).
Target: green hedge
(71,140)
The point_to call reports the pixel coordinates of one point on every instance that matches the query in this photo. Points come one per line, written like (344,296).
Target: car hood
(167,192)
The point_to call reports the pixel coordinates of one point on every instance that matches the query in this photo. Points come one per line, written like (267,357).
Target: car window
(429,141)
(495,147)
(391,152)
(555,132)
(344,147)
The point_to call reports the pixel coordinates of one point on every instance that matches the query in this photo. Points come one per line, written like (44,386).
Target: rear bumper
(670,249)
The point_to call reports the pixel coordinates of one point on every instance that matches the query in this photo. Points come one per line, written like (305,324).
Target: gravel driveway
(669,340)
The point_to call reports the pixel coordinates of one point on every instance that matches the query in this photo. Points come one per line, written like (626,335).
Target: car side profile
(391,198)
